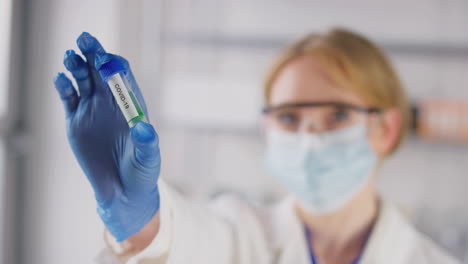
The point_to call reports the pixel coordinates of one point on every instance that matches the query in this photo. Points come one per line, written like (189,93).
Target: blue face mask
(324,171)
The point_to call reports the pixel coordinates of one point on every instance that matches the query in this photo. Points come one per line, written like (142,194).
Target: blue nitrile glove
(121,163)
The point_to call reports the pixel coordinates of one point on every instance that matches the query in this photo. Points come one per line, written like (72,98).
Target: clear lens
(314,119)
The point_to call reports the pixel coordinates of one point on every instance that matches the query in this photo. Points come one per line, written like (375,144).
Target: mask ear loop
(376,120)
(373,120)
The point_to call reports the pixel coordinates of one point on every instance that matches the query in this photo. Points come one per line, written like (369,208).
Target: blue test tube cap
(108,65)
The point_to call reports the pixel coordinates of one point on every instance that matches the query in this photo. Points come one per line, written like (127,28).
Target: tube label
(122,97)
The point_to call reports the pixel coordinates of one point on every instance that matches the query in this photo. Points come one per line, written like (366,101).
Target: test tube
(113,74)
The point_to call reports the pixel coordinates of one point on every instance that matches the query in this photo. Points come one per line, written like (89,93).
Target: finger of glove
(90,46)
(142,167)
(146,142)
(80,71)
(103,58)
(67,93)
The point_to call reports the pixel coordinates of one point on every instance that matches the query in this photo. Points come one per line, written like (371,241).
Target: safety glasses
(316,117)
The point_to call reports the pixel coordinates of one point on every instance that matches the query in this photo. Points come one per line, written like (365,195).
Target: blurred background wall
(200,64)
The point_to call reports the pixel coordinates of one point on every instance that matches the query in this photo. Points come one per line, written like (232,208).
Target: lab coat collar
(390,232)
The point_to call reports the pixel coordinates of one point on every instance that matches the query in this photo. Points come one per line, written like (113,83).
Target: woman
(335,110)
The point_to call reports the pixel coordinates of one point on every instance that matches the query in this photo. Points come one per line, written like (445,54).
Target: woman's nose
(311,127)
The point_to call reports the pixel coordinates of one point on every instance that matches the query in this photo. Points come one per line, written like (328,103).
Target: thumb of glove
(146,143)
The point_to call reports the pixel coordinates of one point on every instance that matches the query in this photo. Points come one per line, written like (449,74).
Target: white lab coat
(231,231)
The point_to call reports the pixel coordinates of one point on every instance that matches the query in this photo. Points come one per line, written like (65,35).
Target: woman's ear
(386,131)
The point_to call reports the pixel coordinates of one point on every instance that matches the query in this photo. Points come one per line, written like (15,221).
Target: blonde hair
(353,63)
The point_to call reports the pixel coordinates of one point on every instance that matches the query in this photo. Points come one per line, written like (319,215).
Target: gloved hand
(121,164)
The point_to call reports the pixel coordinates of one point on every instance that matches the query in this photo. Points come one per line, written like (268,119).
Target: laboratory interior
(201,66)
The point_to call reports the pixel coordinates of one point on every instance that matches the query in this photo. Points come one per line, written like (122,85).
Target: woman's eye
(340,115)
(287,119)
